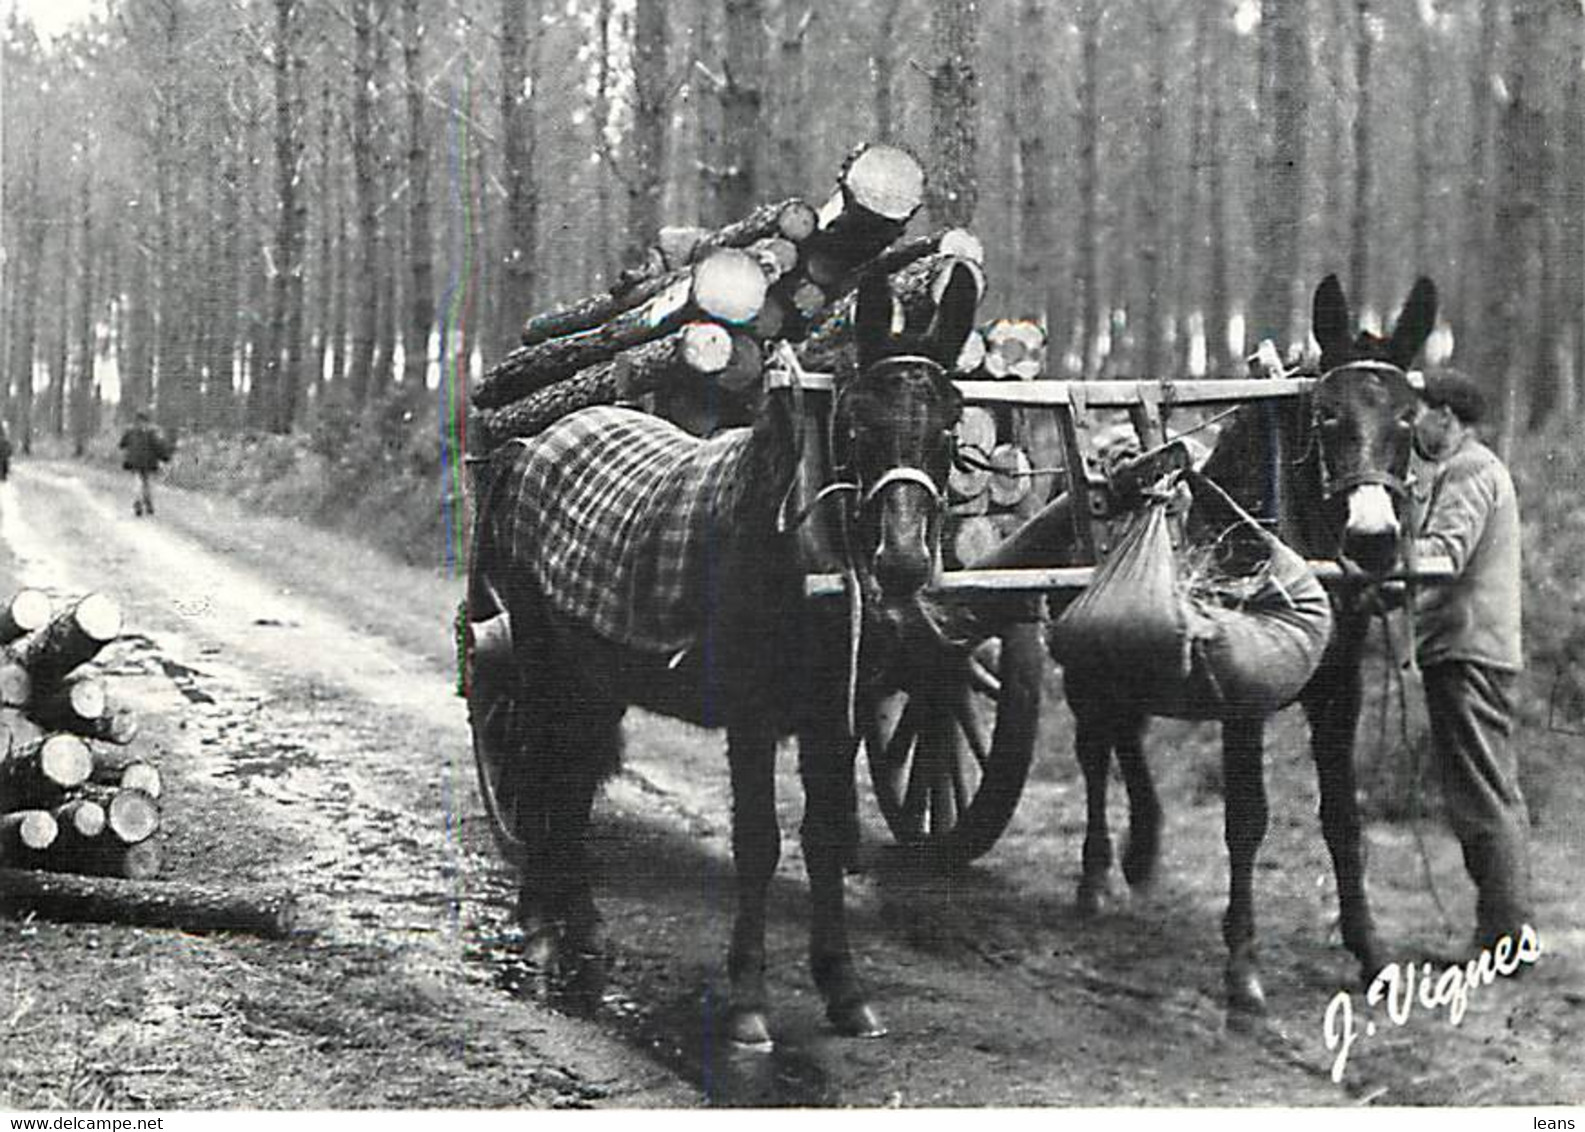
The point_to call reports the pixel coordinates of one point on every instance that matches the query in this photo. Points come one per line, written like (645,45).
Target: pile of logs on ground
(687,326)
(74,796)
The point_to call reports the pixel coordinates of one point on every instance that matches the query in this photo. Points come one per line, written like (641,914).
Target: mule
(1328,470)
(757,657)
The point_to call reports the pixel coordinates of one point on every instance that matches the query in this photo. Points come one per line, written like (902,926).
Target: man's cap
(1458,391)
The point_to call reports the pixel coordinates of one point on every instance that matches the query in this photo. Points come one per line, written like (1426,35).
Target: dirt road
(299,695)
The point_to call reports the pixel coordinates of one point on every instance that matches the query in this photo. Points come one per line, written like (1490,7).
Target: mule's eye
(1329,419)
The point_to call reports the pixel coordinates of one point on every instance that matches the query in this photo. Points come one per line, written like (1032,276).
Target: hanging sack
(1181,634)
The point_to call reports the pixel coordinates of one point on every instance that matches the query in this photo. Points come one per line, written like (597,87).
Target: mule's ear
(960,300)
(1329,320)
(872,321)
(1414,324)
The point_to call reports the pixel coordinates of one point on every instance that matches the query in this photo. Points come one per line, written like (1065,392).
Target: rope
(1416,766)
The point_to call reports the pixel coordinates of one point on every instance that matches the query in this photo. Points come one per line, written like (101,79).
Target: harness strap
(903,475)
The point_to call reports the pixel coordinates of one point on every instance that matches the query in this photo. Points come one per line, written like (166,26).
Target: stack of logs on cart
(74,796)
(683,333)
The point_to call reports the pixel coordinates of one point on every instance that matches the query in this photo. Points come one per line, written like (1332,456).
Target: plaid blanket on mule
(616,512)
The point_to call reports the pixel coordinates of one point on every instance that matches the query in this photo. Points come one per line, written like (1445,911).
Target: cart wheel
(498,716)
(949,754)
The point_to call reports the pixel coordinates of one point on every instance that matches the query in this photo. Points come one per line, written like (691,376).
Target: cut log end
(25,612)
(65,761)
(99,618)
(28,829)
(143,777)
(132,816)
(729,285)
(705,347)
(82,818)
(885,181)
(796,221)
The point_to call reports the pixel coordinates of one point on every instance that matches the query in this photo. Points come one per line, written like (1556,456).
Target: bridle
(847,479)
(1333,484)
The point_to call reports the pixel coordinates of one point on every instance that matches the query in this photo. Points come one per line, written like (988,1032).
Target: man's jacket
(1471,514)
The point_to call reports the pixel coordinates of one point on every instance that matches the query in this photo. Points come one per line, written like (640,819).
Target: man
(1468,640)
(144,449)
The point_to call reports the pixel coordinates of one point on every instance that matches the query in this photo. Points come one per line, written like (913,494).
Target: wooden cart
(949,752)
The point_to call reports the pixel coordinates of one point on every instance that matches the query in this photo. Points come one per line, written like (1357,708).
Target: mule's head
(1363,411)
(892,430)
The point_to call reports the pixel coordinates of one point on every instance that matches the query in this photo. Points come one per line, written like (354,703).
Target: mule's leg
(1245,816)
(568,889)
(1144,809)
(825,763)
(1092,740)
(756,849)
(1333,713)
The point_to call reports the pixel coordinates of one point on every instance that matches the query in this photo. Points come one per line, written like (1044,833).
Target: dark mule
(1328,468)
(761,661)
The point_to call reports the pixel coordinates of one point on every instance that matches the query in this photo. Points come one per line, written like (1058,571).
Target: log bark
(26,612)
(729,287)
(119,725)
(878,191)
(188,907)
(73,636)
(825,269)
(42,771)
(829,345)
(791,220)
(26,831)
(700,348)
(743,371)
(72,705)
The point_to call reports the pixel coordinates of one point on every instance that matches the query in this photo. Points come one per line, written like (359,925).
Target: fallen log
(16,686)
(729,286)
(131,815)
(829,345)
(72,705)
(26,831)
(43,771)
(126,769)
(73,636)
(790,220)
(81,818)
(27,611)
(699,348)
(827,270)
(878,190)
(118,725)
(144,903)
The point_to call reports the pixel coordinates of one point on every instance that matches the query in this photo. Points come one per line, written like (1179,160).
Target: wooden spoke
(967,715)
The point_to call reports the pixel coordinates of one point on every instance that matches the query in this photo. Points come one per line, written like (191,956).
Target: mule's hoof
(1091,901)
(856,1020)
(748,1027)
(1246,999)
(1139,869)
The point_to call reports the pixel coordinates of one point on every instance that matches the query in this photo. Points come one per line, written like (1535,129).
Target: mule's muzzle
(1373,532)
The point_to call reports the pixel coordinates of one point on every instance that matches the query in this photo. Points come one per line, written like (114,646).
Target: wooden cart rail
(1029,580)
(1051,393)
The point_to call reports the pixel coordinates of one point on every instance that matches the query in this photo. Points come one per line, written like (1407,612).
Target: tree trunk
(742,126)
(1089,162)
(519,281)
(953,189)
(1364,168)
(650,127)
(1279,166)
(164,904)
(421,280)
(287,307)
(29,273)
(1515,250)
(791,173)
(362,289)
(1036,200)
(883,64)
(604,218)
(1154,201)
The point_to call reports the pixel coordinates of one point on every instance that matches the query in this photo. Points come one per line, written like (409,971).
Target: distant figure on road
(144,448)
(5,453)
